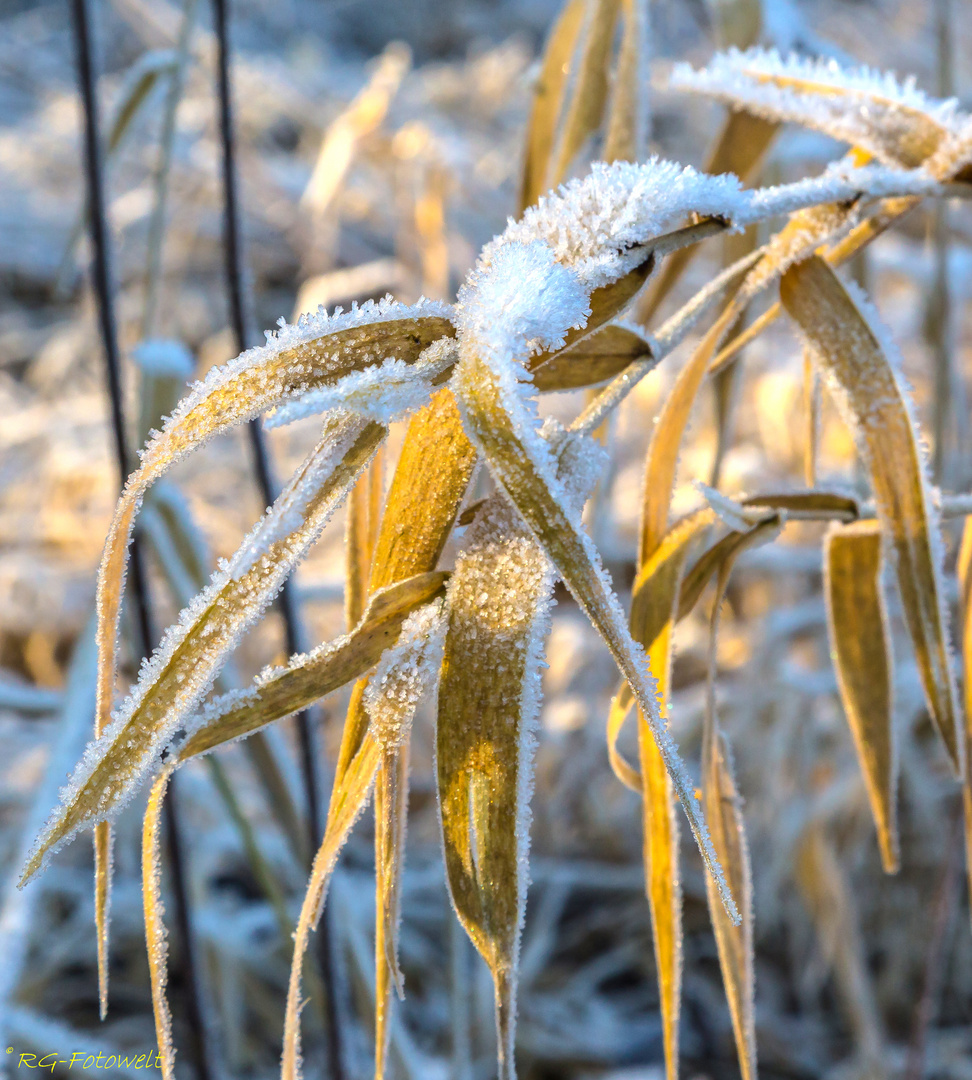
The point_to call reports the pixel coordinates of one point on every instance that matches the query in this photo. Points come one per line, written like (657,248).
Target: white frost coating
(405,674)
(310,329)
(521,299)
(840,182)
(194,678)
(384,392)
(499,600)
(858,105)
(591,223)
(490,334)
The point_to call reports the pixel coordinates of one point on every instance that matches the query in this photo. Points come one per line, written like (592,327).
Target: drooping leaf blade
(855,357)
(860,644)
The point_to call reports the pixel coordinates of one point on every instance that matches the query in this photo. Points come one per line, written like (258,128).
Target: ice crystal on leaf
(405,674)
(865,108)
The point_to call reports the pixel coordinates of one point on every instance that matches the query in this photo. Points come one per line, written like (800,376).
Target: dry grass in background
(830,676)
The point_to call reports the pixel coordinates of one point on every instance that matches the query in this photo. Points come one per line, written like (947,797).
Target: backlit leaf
(185,663)
(855,355)
(155,932)
(499,609)
(861,649)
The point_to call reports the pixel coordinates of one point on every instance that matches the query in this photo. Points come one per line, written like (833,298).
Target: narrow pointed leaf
(492,419)
(281,692)
(499,603)
(860,644)
(317,351)
(184,665)
(855,355)
(654,609)
(155,932)
(723,810)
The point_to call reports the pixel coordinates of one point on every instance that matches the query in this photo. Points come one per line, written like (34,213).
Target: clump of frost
(383,392)
(591,224)
(520,299)
(405,674)
(867,108)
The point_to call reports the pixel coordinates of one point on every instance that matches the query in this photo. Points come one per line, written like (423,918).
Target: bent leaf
(499,603)
(280,692)
(654,609)
(855,355)
(861,649)
(593,360)
(497,422)
(317,351)
(185,663)
(895,122)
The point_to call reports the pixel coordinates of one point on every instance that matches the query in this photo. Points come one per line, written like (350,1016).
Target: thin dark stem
(101,274)
(239,320)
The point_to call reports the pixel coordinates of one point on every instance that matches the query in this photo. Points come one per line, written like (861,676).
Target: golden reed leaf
(498,611)
(309,678)
(155,932)
(964,571)
(852,353)
(654,610)
(860,644)
(185,670)
(573,555)
(433,471)
(723,811)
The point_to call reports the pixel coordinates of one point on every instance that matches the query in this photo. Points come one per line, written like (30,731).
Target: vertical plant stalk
(106,316)
(233,252)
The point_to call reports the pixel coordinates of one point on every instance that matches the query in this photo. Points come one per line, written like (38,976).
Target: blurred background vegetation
(378,149)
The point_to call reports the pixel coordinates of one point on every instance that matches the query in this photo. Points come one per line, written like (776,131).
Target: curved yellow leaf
(155,932)
(628,118)
(854,354)
(499,602)
(860,644)
(185,663)
(593,360)
(307,679)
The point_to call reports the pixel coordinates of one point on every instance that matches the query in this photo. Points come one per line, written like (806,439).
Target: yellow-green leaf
(853,353)
(861,649)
